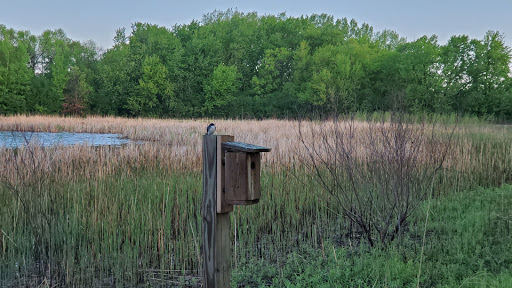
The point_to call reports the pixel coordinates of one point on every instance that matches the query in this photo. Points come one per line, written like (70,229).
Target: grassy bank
(130,215)
(469,244)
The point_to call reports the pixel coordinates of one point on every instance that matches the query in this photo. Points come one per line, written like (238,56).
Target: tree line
(233,64)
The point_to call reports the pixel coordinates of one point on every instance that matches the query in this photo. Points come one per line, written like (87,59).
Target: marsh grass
(468,245)
(129,215)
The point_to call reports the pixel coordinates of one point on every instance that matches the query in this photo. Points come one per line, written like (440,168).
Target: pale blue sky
(98,20)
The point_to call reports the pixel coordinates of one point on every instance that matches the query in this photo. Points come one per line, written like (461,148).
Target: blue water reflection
(9,139)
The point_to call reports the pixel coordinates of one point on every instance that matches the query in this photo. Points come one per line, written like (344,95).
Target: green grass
(144,226)
(115,230)
(469,244)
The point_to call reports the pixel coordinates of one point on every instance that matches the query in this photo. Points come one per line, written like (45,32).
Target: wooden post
(216,226)
(216,204)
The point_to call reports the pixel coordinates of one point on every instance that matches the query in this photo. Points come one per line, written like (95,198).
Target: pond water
(9,139)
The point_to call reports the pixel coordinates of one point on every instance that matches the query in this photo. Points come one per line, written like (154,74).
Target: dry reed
(172,145)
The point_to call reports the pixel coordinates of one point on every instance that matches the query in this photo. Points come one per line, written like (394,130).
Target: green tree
(335,82)
(114,84)
(136,76)
(302,74)
(240,37)
(410,77)
(76,93)
(456,57)
(202,52)
(120,38)
(273,72)
(388,40)
(15,74)
(39,97)
(420,69)
(270,97)
(489,72)
(156,55)
(55,61)
(220,90)
(152,40)
(156,91)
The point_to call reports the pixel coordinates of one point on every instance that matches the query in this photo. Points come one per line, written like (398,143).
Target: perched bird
(210,129)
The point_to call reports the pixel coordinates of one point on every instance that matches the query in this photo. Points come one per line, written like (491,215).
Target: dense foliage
(232,64)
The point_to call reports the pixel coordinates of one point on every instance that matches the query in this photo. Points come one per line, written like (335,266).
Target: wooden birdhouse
(242,172)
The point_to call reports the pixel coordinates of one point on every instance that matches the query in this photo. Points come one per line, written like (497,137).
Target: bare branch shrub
(375,172)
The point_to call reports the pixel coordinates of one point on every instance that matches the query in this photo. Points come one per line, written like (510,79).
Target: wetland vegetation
(130,215)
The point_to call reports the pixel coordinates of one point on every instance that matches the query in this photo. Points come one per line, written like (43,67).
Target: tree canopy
(233,64)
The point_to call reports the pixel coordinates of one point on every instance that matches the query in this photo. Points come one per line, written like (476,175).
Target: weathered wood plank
(209,208)
(222,205)
(253,172)
(222,250)
(244,147)
(216,227)
(242,178)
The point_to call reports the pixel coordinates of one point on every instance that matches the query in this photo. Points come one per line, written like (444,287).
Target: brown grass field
(176,144)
